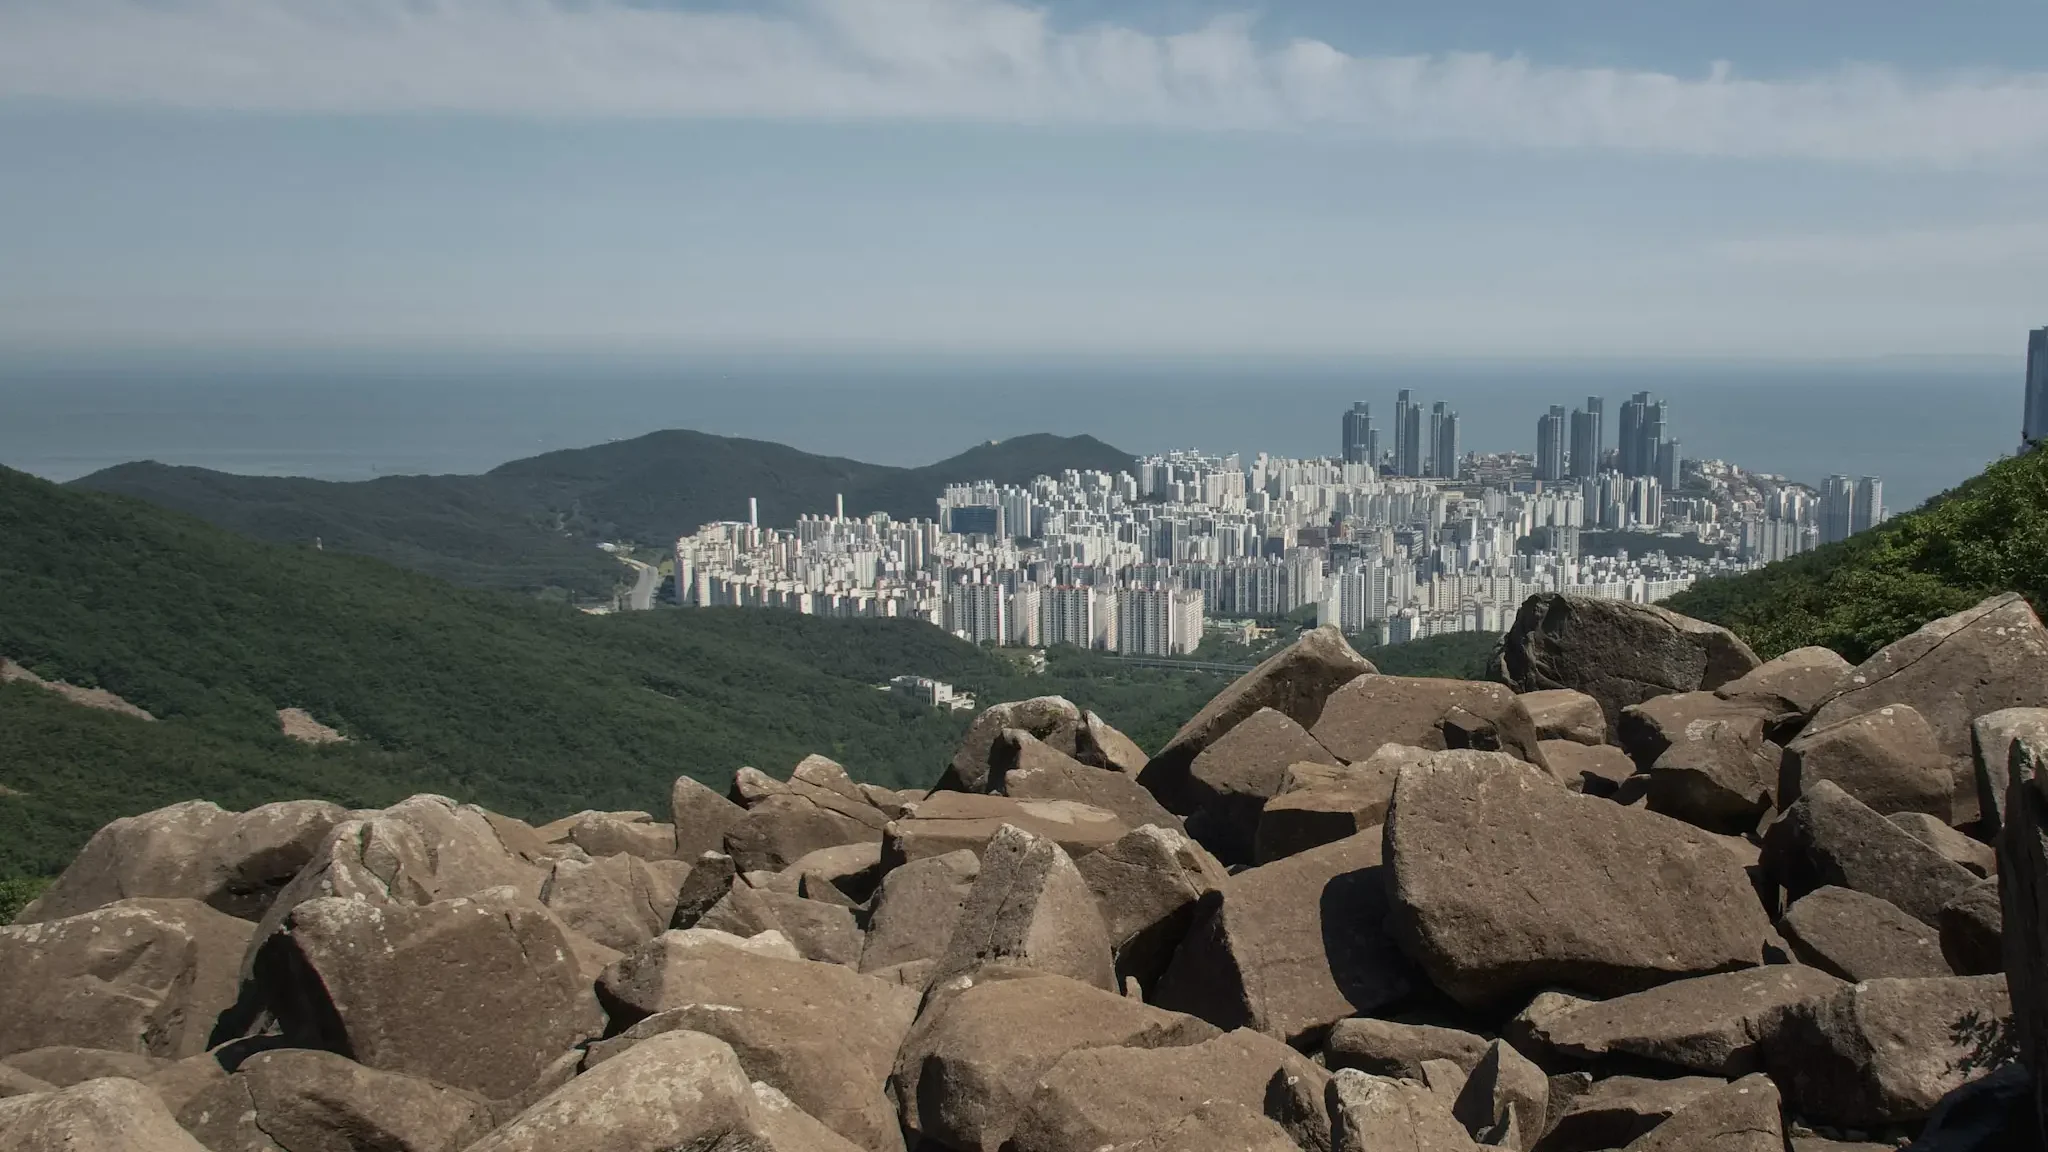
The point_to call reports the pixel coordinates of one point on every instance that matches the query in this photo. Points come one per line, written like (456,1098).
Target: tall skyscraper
(1361,439)
(1868,510)
(1837,509)
(2035,428)
(1444,441)
(1669,466)
(1634,413)
(1596,407)
(1404,443)
(1550,444)
(1585,458)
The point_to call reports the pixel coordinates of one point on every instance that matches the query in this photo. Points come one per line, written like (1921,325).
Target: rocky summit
(1646,892)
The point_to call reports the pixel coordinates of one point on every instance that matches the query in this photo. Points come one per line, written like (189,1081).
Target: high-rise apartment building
(980,612)
(1443,441)
(1404,444)
(1361,439)
(1585,442)
(1867,511)
(1634,413)
(2034,428)
(1837,509)
(1158,621)
(1066,615)
(1026,604)
(1550,444)
(1669,465)
(1596,408)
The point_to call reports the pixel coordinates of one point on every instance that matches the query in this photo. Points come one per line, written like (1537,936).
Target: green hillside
(530,525)
(528,707)
(1988,535)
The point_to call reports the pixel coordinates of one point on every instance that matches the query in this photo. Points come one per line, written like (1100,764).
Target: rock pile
(1647,893)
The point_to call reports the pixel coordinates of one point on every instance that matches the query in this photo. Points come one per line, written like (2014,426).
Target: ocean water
(1922,426)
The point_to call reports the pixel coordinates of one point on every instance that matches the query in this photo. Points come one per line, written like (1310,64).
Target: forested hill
(1988,535)
(528,707)
(531,524)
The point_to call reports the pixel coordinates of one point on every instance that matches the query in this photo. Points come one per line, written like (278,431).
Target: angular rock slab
(1368,1113)
(1227,785)
(1859,937)
(1030,908)
(1709,1024)
(1389,1048)
(1991,739)
(1831,838)
(914,911)
(1293,682)
(1886,1051)
(950,821)
(1887,757)
(1505,883)
(1373,711)
(1049,718)
(296,1099)
(1745,1116)
(1798,681)
(1973,931)
(1565,714)
(1146,886)
(700,817)
(96,1116)
(2023,897)
(1022,766)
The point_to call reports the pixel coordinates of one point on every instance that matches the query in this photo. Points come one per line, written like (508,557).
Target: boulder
(950,821)
(750,786)
(1216,1127)
(1886,757)
(96,1116)
(1717,773)
(1373,711)
(1388,1048)
(1022,767)
(1097,1097)
(1708,1024)
(292,1100)
(700,817)
(1980,858)
(1504,883)
(1745,1116)
(1859,937)
(2023,898)
(915,909)
(1565,714)
(1619,1110)
(1052,719)
(782,828)
(1991,740)
(1953,670)
(64,1065)
(1099,745)
(1798,681)
(1648,730)
(819,930)
(711,876)
(1595,769)
(1294,682)
(1030,908)
(14,1082)
(1368,1113)
(1295,822)
(474,993)
(1973,931)
(618,901)
(627,833)
(1146,887)
(972,1062)
(1617,652)
(1226,785)
(148,976)
(1290,948)
(845,875)
(1829,837)
(1886,1051)
(822,1034)
(1504,1092)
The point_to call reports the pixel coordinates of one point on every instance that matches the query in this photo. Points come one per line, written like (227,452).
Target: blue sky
(1801,178)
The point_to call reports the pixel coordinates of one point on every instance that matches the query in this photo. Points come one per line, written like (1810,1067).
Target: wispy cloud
(968,60)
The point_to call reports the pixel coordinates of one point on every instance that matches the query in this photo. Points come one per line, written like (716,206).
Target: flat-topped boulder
(1293,682)
(290,1099)
(950,821)
(1886,1051)
(1797,682)
(1860,937)
(110,1115)
(1372,711)
(1887,757)
(1565,714)
(1708,1024)
(1829,838)
(1025,768)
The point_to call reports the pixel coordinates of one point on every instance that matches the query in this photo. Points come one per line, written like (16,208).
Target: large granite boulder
(1616,652)
(1390,1048)
(1980,858)
(1797,682)
(1886,757)
(149,976)
(1595,769)
(1992,736)
(1744,1116)
(1373,711)
(2023,895)
(1030,908)
(1216,1127)
(972,1062)
(1230,781)
(1294,682)
(1147,886)
(1860,937)
(913,913)
(1973,931)
(63,1065)
(1831,838)
(1504,883)
(1052,719)
(1566,714)
(1886,1051)
(619,901)
(1368,1113)
(819,806)
(109,1115)
(1292,947)
(1953,670)
(296,1100)
(700,818)
(1023,767)
(820,930)
(950,821)
(1620,1110)
(1715,770)
(475,993)
(1709,1024)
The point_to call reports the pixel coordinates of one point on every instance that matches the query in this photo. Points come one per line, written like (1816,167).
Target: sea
(351,414)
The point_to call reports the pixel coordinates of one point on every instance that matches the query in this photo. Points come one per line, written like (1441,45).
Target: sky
(1832,179)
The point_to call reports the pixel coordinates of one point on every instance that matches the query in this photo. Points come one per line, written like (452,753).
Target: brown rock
(1503,882)
(1373,711)
(1146,886)
(700,816)
(1980,858)
(1798,681)
(915,910)
(1830,838)
(1022,767)
(14,1082)
(780,829)
(822,1034)
(1710,1024)
(1291,947)
(750,786)
(293,1100)
(1294,682)
(1099,745)
(62,1066)
(1565,714)
(845,875)
(1225,786)
(1648,730)
(1716,772)
(1886,1051)
(473,993)
(1295,822)
(1886,757)
(1616,652)
(1053,719)
(618,901)
(1504,1092)
(1859,937)
(1369,1112)
(1096,1097)
(1620,1109)
(1973,931)
(950,821)
(820,931)
(96,1116)
(147,976)
(2023,897)
(628,833)
(1216,1127)
(1953,670)
(1991,740)
(1744,1116)
(1387,1048)
(1595,769)
(972,1062)
(1030,908)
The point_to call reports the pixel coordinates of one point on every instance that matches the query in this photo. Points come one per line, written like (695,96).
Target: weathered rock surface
(149,976)
(1859,937)
(819,930)
(1293,682)
(1030,908)
(472,993)
(629,833)
(700,818)
(96,1116)
(1373,711)
(301,1101)
(619,901)
(1744,1116)
(950,821)
(1616,652)
(1291,947)
(1831,838)
(1648,730)
(2023,896)
(1052,719)
(1297,821)
(1369,1112)
(1709,1024)
(1973,931)
(1566,714)
(1216,1127)
(1991,740)
(784,827)
(1715,771)
(1886,1051)
(1504,883)
(1595,769)
(972,1062)
(1146,887)
(915,909)
(1389,1048)
(1503,1093)
(847,874)
(1619,1110)
(1798,681)
(64,1065)
(1953,670)
(14,1082)
(1886,757)
(1980,858)
(1225,787)
(1022,767)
